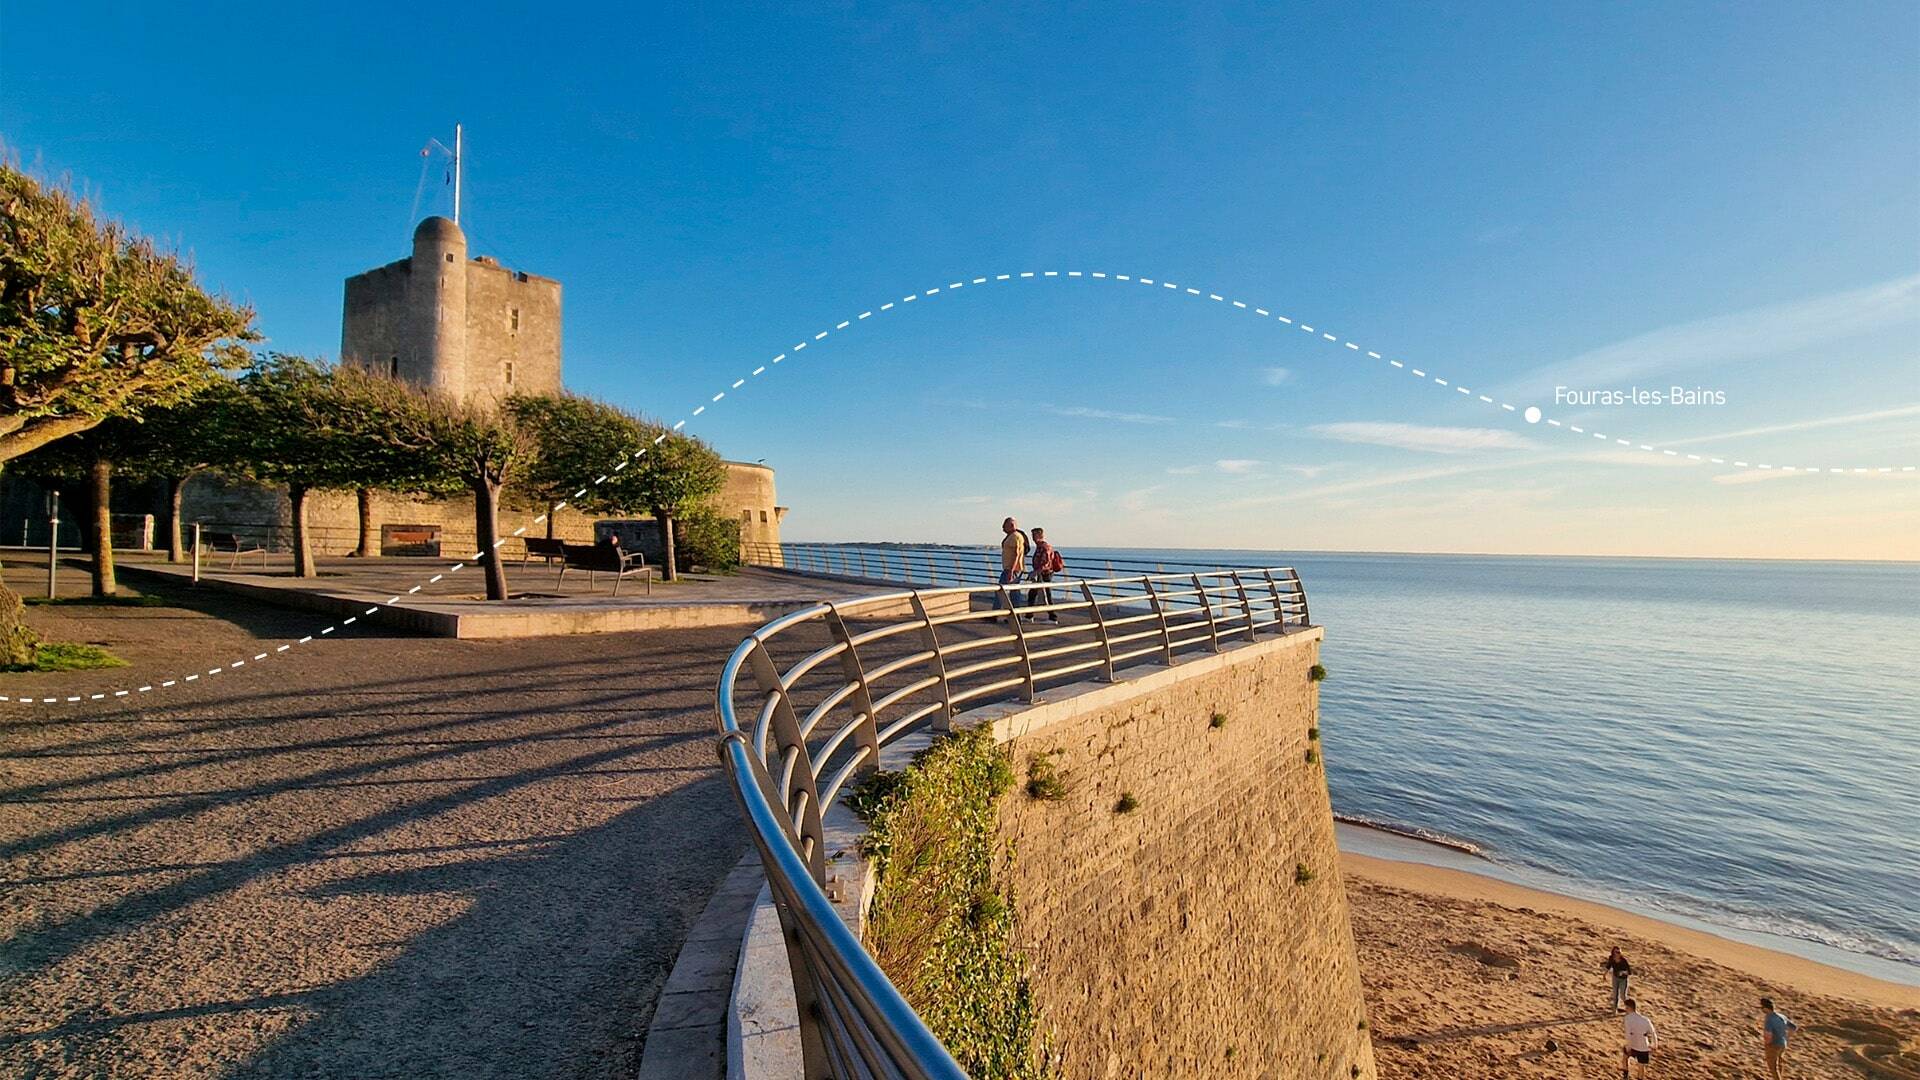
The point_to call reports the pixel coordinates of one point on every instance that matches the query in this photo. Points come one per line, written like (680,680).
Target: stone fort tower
(469,328)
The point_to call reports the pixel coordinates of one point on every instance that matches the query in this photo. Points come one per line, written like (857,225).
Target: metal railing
(939,564)
(832,684)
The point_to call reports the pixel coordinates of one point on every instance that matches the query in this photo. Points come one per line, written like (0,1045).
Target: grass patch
(68,656)
(1313,734)
(941,924)
(1127,804)
(1045,781)
(1302,874)
(95,601)
(1313,756)
(1219,720)
(1316,673)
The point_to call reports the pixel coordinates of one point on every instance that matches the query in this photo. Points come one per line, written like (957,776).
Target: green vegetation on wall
(941,923)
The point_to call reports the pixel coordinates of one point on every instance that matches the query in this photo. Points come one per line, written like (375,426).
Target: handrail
(911,660)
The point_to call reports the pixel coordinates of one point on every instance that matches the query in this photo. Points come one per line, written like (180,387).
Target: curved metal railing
(834,683)
(947,564)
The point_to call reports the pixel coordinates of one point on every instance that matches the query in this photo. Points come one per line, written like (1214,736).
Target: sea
(1729,744)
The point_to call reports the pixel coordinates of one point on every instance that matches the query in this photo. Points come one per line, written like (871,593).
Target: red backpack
(1055,563)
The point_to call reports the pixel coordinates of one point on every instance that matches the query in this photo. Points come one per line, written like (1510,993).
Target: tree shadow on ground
(552,972)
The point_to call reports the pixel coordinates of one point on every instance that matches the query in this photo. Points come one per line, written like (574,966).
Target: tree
(313,428)
(575,439)
(485,449)
(675,475)
(94,321)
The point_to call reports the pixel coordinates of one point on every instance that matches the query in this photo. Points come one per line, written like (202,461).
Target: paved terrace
(456,605)
(380,855)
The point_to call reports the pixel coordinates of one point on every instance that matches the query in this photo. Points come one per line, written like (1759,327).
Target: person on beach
(1774,1028)
(1013,560)
(1640,1040)
(1046,563)
(1618,967)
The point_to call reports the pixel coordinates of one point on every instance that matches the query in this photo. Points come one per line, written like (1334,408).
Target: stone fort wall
(1205,932)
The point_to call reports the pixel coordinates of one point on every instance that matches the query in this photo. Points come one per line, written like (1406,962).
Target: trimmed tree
(676,475)
(94,321)
(313,428)
(482,448)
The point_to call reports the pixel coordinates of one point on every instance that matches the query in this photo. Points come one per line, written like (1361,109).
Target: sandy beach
(1471,976)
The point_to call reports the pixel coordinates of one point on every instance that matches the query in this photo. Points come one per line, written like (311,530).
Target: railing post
(1246,606)
(928,633)
(1160,612)
(1099,628)
(1305,618)
(196,553)
(1206,602)
(1020,641)
(805,828)
(862,552)
(866,734)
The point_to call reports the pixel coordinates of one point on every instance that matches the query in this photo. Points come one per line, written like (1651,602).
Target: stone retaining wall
(1204,932)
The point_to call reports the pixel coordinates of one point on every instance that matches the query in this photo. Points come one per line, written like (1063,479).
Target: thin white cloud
(1236,466)
(1082,412)
(1636,458)
(1741,336)
(1875,416)
(1275,376)
(1236,425)
(1432,440)
(1140,500)
(1755,476)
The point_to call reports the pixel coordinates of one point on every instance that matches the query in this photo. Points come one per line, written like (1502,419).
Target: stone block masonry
(1203,932)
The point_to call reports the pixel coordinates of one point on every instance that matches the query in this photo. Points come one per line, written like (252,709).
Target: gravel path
(390,857)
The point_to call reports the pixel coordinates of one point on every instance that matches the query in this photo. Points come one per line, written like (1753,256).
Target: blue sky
(1512,198)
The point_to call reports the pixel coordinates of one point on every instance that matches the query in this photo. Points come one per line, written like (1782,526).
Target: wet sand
(1468,975)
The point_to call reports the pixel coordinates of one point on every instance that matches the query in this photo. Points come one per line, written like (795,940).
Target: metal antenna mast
(456,173)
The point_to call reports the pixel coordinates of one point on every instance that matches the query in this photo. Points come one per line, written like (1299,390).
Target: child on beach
(1774,1027)
(1640,1040)
(1617,965)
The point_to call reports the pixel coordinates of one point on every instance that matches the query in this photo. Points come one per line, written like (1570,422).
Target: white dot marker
(1532,414)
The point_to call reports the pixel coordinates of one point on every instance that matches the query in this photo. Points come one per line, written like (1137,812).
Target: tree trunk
(176,497)
(550,512)
(366,548)
(16,640)
(100,484)
(486,529)
(302,544)
(671,570)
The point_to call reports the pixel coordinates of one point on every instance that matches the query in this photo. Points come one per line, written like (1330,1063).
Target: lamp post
(53,546)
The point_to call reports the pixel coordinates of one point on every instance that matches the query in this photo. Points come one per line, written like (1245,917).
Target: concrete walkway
(374,857)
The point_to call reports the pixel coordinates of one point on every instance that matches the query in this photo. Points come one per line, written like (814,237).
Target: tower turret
(438,306)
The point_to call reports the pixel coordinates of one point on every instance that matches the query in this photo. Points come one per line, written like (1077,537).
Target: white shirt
(1639,1033)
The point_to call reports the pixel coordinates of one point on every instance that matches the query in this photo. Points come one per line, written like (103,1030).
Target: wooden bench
(539,547)
(603,559)
(226,543)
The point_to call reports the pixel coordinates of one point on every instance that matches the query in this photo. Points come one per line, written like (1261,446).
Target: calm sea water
(1732,741)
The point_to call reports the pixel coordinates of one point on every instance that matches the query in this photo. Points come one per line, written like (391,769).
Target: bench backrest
(600,557)
(540,545)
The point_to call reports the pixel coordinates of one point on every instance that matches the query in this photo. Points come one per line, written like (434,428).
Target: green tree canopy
(95,321)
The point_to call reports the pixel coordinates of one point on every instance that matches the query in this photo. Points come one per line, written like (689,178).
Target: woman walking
(1618,967)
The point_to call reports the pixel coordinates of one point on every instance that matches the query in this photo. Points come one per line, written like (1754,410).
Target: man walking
(1774,1027)
(1640,1040)
(1013,561)
(1045,562)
